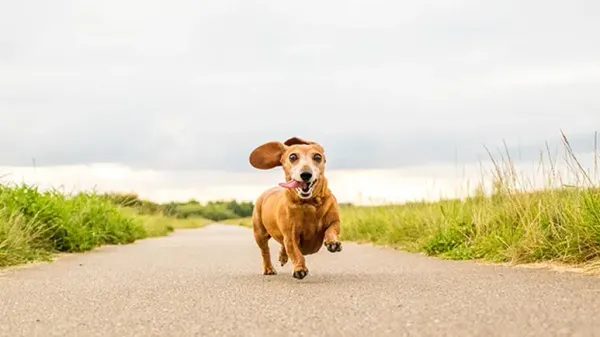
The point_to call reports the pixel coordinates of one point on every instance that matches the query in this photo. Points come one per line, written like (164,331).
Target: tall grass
(513,220)
(36,224)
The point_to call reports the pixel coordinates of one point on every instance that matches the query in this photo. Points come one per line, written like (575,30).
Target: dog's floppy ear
(267,156)
(296,141)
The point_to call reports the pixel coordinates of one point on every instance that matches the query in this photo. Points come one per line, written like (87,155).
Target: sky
(168,98)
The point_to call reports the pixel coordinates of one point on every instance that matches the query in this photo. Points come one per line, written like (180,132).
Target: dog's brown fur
(301,226)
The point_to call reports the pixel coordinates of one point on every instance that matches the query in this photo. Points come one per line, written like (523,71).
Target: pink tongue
(290,184)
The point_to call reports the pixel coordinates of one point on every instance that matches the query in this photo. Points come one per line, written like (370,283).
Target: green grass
(244,222)
(159,225)
(34,224)
(514,223)
(553,225)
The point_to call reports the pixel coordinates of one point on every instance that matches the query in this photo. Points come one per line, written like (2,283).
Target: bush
(34,224)
(213,210)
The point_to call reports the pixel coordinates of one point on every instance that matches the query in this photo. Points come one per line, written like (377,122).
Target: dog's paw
(334,246)
(300,273)
(269,271)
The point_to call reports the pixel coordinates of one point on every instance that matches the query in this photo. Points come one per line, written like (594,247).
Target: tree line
(213,210)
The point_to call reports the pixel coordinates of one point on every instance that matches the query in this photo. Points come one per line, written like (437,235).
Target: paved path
(207,282)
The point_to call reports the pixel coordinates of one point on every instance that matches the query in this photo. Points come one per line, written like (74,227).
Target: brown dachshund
(301,214)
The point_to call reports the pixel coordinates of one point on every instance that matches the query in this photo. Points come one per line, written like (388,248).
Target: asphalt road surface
(208,282)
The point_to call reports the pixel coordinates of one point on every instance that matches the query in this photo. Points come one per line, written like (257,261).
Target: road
(208,282)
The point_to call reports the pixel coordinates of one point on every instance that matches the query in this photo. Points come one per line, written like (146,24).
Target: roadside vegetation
(212,210)
(515,222)
(35,224)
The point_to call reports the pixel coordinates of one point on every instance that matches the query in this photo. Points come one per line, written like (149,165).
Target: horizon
(430,182)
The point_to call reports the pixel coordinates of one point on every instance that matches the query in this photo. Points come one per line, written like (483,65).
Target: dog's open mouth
(303,189)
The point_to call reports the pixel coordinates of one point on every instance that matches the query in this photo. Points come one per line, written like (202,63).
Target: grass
(514,220)
(158,225)
(530,227)
(34,224)
(244,222)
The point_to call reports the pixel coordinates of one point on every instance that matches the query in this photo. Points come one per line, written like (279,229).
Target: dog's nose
(306,176)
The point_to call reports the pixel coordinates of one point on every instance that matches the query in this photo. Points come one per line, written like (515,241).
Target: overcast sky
(196,85)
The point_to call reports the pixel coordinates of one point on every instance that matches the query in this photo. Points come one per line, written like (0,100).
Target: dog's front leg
(291,247)
(331,238)
(332,232)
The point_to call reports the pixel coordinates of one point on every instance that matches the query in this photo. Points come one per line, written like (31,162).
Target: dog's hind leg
(283,258)
(262,240)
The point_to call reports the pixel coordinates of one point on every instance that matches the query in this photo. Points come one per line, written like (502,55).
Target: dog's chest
(308,219)
(310,237)
(310,231)
(310,228)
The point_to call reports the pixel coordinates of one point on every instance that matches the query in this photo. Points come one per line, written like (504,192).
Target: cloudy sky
(168,98)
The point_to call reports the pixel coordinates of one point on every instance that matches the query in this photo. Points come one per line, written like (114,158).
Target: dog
(301,214)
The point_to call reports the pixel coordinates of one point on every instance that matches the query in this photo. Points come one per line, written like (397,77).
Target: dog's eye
(317,157)
(293,157)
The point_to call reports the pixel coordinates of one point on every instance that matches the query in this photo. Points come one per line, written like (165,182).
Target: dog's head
(303,163)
